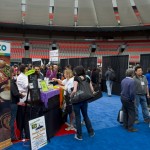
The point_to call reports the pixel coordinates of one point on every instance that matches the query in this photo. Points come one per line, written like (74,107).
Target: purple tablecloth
(47,95)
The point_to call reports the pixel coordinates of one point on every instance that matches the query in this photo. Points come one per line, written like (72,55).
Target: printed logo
(3,47)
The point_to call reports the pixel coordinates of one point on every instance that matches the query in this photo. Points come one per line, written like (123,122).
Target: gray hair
(130,72)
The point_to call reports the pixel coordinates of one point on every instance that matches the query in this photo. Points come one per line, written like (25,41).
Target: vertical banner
(53,55)
(5,140)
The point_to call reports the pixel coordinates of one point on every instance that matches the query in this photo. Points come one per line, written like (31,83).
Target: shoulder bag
(83,93)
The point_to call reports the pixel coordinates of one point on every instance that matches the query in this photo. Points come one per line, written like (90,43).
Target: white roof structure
(72,13)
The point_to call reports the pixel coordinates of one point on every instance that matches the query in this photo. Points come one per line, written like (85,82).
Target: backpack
(112,76)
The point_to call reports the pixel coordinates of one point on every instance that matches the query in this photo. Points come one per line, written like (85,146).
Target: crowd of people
(135,91)
(67,78)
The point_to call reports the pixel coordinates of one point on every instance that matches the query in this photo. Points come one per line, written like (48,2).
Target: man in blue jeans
(109,80)
(141,87)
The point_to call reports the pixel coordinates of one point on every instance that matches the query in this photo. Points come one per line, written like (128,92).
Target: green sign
(44,86)
(30,72)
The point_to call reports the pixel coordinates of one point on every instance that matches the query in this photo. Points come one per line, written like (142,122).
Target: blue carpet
(109,134)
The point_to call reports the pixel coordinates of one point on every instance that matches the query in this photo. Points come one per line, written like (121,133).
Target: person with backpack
(110,77)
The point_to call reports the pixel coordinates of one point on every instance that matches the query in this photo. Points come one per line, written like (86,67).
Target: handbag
(83,93)
(98,93)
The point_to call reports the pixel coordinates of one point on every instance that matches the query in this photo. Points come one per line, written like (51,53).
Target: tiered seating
(39,53)
(70,49)
(17,50)
(108,46)
(135,49)
(73,49)
(106,52)
(39,49)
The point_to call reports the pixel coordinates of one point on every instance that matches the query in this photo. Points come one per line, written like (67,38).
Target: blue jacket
(148,79)
(128,89)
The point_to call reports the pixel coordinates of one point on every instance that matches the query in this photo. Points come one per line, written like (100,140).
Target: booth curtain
(119,64)
(85,62)
(145,62)
(63,63)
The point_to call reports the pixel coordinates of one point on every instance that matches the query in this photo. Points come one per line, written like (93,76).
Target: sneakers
(132,130)
(136,122)
(92,134)
(83,123)
(70,128)
(78,137)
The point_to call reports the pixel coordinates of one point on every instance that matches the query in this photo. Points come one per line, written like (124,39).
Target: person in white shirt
(68,83)
(22,114)
(22,83)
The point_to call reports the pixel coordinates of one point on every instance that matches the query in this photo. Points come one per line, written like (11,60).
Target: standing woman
(81,106)
(68,84)
(51,72)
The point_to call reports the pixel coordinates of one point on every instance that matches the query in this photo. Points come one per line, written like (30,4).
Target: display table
(53,113)
(50,109)
(45,96)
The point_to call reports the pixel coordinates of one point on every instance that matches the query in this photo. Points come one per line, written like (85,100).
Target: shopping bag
(120,116)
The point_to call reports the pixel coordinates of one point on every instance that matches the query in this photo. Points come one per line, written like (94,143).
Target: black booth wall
(119,64)
(145,62)
(85,62)
(27,60)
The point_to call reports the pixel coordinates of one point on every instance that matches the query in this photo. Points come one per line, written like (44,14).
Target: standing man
(110,76)
(22,123)
(141,87)
(128,99)
(38,72)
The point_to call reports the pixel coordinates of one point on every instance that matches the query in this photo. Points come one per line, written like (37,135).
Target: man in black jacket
(15,95)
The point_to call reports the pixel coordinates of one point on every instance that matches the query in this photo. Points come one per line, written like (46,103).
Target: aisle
(109,134)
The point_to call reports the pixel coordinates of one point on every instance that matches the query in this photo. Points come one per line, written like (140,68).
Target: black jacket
(15,95)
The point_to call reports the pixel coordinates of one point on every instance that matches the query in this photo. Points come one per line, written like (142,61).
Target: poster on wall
(37,133)
(5,140)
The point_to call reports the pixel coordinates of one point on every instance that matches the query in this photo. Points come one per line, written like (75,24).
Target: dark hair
(22,68)
(68,66)
(36,66)
(137,67)
(79,71)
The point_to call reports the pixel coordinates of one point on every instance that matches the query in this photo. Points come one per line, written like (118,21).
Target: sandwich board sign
(38,135)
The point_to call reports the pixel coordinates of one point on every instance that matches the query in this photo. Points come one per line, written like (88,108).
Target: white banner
(54,55)
(4,47)
(53,58)
(37,133)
